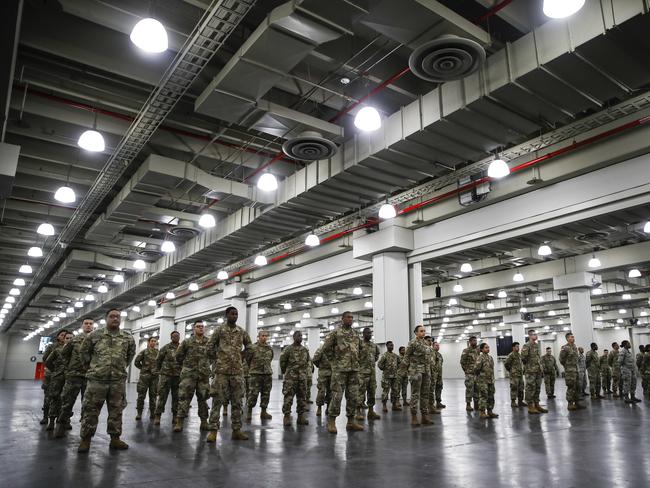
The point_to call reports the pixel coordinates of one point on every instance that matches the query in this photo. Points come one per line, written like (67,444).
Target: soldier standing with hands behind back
(605,372)
(530,356)
(593,369)
(146,362)
(515,368)
(551,371)
(388,364)
(468,362)
(295,366)
(261,375)
(569,358)
(368,356)
(170,377)
(616,369)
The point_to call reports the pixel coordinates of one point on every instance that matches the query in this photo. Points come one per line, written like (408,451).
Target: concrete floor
(605,445)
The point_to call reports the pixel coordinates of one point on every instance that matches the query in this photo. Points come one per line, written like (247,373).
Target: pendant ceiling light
(560,9)
(458,288)
(267,182)
(118,278)
(518,277)
(151,303)
(135,308)
(594,262)
(222,275)
(312,240)
(45,229)
(207,221)
(35,252)
(65,194)
(193,287)
(69,310)
(102,289)
(465,268)
(318,299)
(367,119)
(167,247)
(646,227)
(25,269)
(261,260)
(544,250)
(150,36)
(357,290)
(634,273)
(170,295)
(139,264)
(498,169)
(19,282)
(387,211)
(89,298)
(92,141)
(502,294)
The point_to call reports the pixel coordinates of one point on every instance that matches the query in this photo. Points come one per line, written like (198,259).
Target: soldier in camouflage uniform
(569,357)
(57,363)
(343,346)
(432,375)
(403,375)
(295,367)
(484,371)
(75,377)
(192,355)
(247,376)
(170,377)
(628,373)
(646,372)
(46,383)
(259,360)
(605,372)
(582,371)
(368,356)
(226,346)
(515,368)
(612,360)
(438,379)
(107,353)
(146,362)
(530,356)
(310,380)
(551,371)
(418,360)
(324,364)
(640,367)
(467,362)
(593,369)
(388,364)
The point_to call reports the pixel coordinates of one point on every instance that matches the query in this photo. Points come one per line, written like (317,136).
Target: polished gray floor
(606,445)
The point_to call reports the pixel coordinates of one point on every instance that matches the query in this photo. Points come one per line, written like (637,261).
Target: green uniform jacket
(323,362)
(549,365)
(108,354)
(166,361)
(259,359)
(344,345)
(72,351)
(613,361)
(192,355)
(593,361)
(56,362)
(530,356)
(368,356)
(418,357)
(484,368)
(226,346)
(569,356)
(604,363)
(626,360)
(438,363)
(388,363)
(468,359)
(513,365)
(146,362)
(294,362)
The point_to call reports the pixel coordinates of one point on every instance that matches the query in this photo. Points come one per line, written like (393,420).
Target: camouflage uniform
(295,366)
(343,346)
(628,373)
(169,379)
(612,360)
(438,379)
(467,362)
(261,375)
(569,358)
(225,347)
(192,355)
(324,364)
(646,375)
(605,373)
(310,380)
(549,366)
(368,356)
(593,370)
(515,367)
(418,361)
(56,362)
(582,372)
(244,365)
(403,376)
(146,362)
(46,383)
(530,356)
(388,364)
(484,370)
(108,354)
(75,378)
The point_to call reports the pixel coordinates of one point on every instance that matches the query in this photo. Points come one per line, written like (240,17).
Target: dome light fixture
(170,295)
(267,182)
(7,306)
(135,308)
(490,306)
(35,252)
(65,194)
(318,299)
(357,290)
(627,296)
(151,303)
(646,227)
(634,273)
(367,305)
(544,250)
(367,119)
(523,310)
(19,282)
(167,247)
(78,304)
(10,300)
(594,262)
(25,269)
(139,264)
(124,313)
(387,211)
(518,277)
(306,315)
(102,288)
(498,169)
(452,302)
(260,260)
(261,311)
(622,311)
(45,229)
(458,288)
(597,291)
(150,36)
(560,9)
(14,291)
(193,287)
(118,278)
(89,298)
(281,320)
(222,275)
(287,306)
(539,299)
(91,141)
(312,240)
(502,294)
(69,310)
(465,268)
(207,221)
(334,310)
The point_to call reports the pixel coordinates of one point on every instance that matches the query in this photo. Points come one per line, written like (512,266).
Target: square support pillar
(166,313)
(251,322)
(578,286)
(390,293)
(415,294)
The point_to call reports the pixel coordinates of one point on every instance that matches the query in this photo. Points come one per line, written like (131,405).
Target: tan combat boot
(407,403)
(331,425)
(84,445)
(156,420)
(540,409)
(484,415)
(426,420)
(286,421)
(572,406)
(138,415)
(302,420)
(264,415)
(492,415)
(434,410)
(178,426)
(532,409)
(414,421)
(397,407)
(522,403)
(117,443)
(440,406)
(513,404)
(352,425)
(212,437)
(384,408)
(239,435)
(360,415)
(249,415)
(468,407)
(372,415)
(204,425)
(319,412)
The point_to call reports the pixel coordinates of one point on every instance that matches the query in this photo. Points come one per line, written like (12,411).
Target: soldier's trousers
(471,392)
(367,389)
(420,384)
(297,388)
(54,390)
(226,388)
(549,383)
(439,389)
(645,383)
(167,384)
(310,381)
(188,385)
(606,379)
(324,388)
(594,382)
(97,392)
(404,386)
(485,396)
(46,401)
(147,384)
(344,382)
(73,386)
(573,387)
(628,380)
(533,386)
(583,381)
(259,384)
(616,382)
(390,386)
(516,388)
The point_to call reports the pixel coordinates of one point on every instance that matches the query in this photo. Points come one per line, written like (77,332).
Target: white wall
(605,337)
(451,352)
(17,365)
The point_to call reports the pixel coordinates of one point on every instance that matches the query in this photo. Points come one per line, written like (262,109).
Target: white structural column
(313,334)
(251,321)
(390,298)
(578,286)
(415,294)
(166,313)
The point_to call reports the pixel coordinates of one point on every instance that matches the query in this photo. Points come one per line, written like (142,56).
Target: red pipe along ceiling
(444,196)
